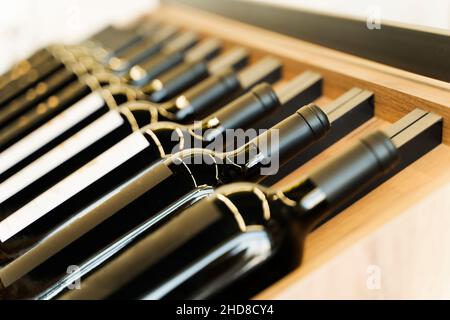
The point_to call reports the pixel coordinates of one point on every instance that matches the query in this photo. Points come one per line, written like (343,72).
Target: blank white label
(71,185)
(61,153)
(86,220)
(50,130)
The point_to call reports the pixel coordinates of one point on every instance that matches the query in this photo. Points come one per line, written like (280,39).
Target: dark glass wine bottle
(184,48)
(108,51)
(40,128)
(39,174)
(61,84)
(107,43)
(52,66)
(151,44)
(162,184)
(76,69)
(241,239)
(171,55)
(182,77)
(42,91)
(13,128)
(110,39)
(131,155)
(76,66)
(78,116)
(22,67)
(13,89)
(113,42)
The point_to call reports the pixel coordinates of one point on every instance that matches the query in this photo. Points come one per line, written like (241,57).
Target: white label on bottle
(71,185)
(61,153)
(50,130)
(87,219)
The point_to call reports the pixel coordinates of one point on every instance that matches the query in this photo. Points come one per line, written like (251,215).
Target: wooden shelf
(400,227)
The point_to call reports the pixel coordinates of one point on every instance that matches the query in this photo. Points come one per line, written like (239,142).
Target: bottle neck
(268,151)
(240,113)
(199,98)
(342,177)
(220,86)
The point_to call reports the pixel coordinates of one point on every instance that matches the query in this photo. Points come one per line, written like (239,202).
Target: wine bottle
(21,68)
(11,90)
(203,51)
(133,154)
(71,71)
(42,91)
(120,63)
(42,166)
(286,95)
(38,115)
(187,107)
(56,240)
(235,58)
(242,238)
(148,47)
(114,44)
(166,182)
(182,77)
(71,96)
(406,132)
(112,41)
(76,67)
(173,53)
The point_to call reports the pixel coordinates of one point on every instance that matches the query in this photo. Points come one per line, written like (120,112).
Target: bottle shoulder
(258,205)
(139,113)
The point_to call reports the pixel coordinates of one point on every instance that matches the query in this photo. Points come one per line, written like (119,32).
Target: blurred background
(26,25)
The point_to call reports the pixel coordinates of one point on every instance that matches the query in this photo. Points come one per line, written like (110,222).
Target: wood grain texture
(397,92)
(400,227)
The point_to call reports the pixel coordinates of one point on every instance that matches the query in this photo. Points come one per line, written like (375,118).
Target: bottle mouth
(152,87)
(316,118)
(382,148)
(266,96)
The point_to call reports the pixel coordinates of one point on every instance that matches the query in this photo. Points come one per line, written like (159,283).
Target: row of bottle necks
(98,173)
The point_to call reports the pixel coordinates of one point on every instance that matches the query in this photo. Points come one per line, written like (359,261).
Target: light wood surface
(394,242)
(402,227)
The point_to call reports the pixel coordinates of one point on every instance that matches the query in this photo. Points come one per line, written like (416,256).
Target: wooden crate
(394,243)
